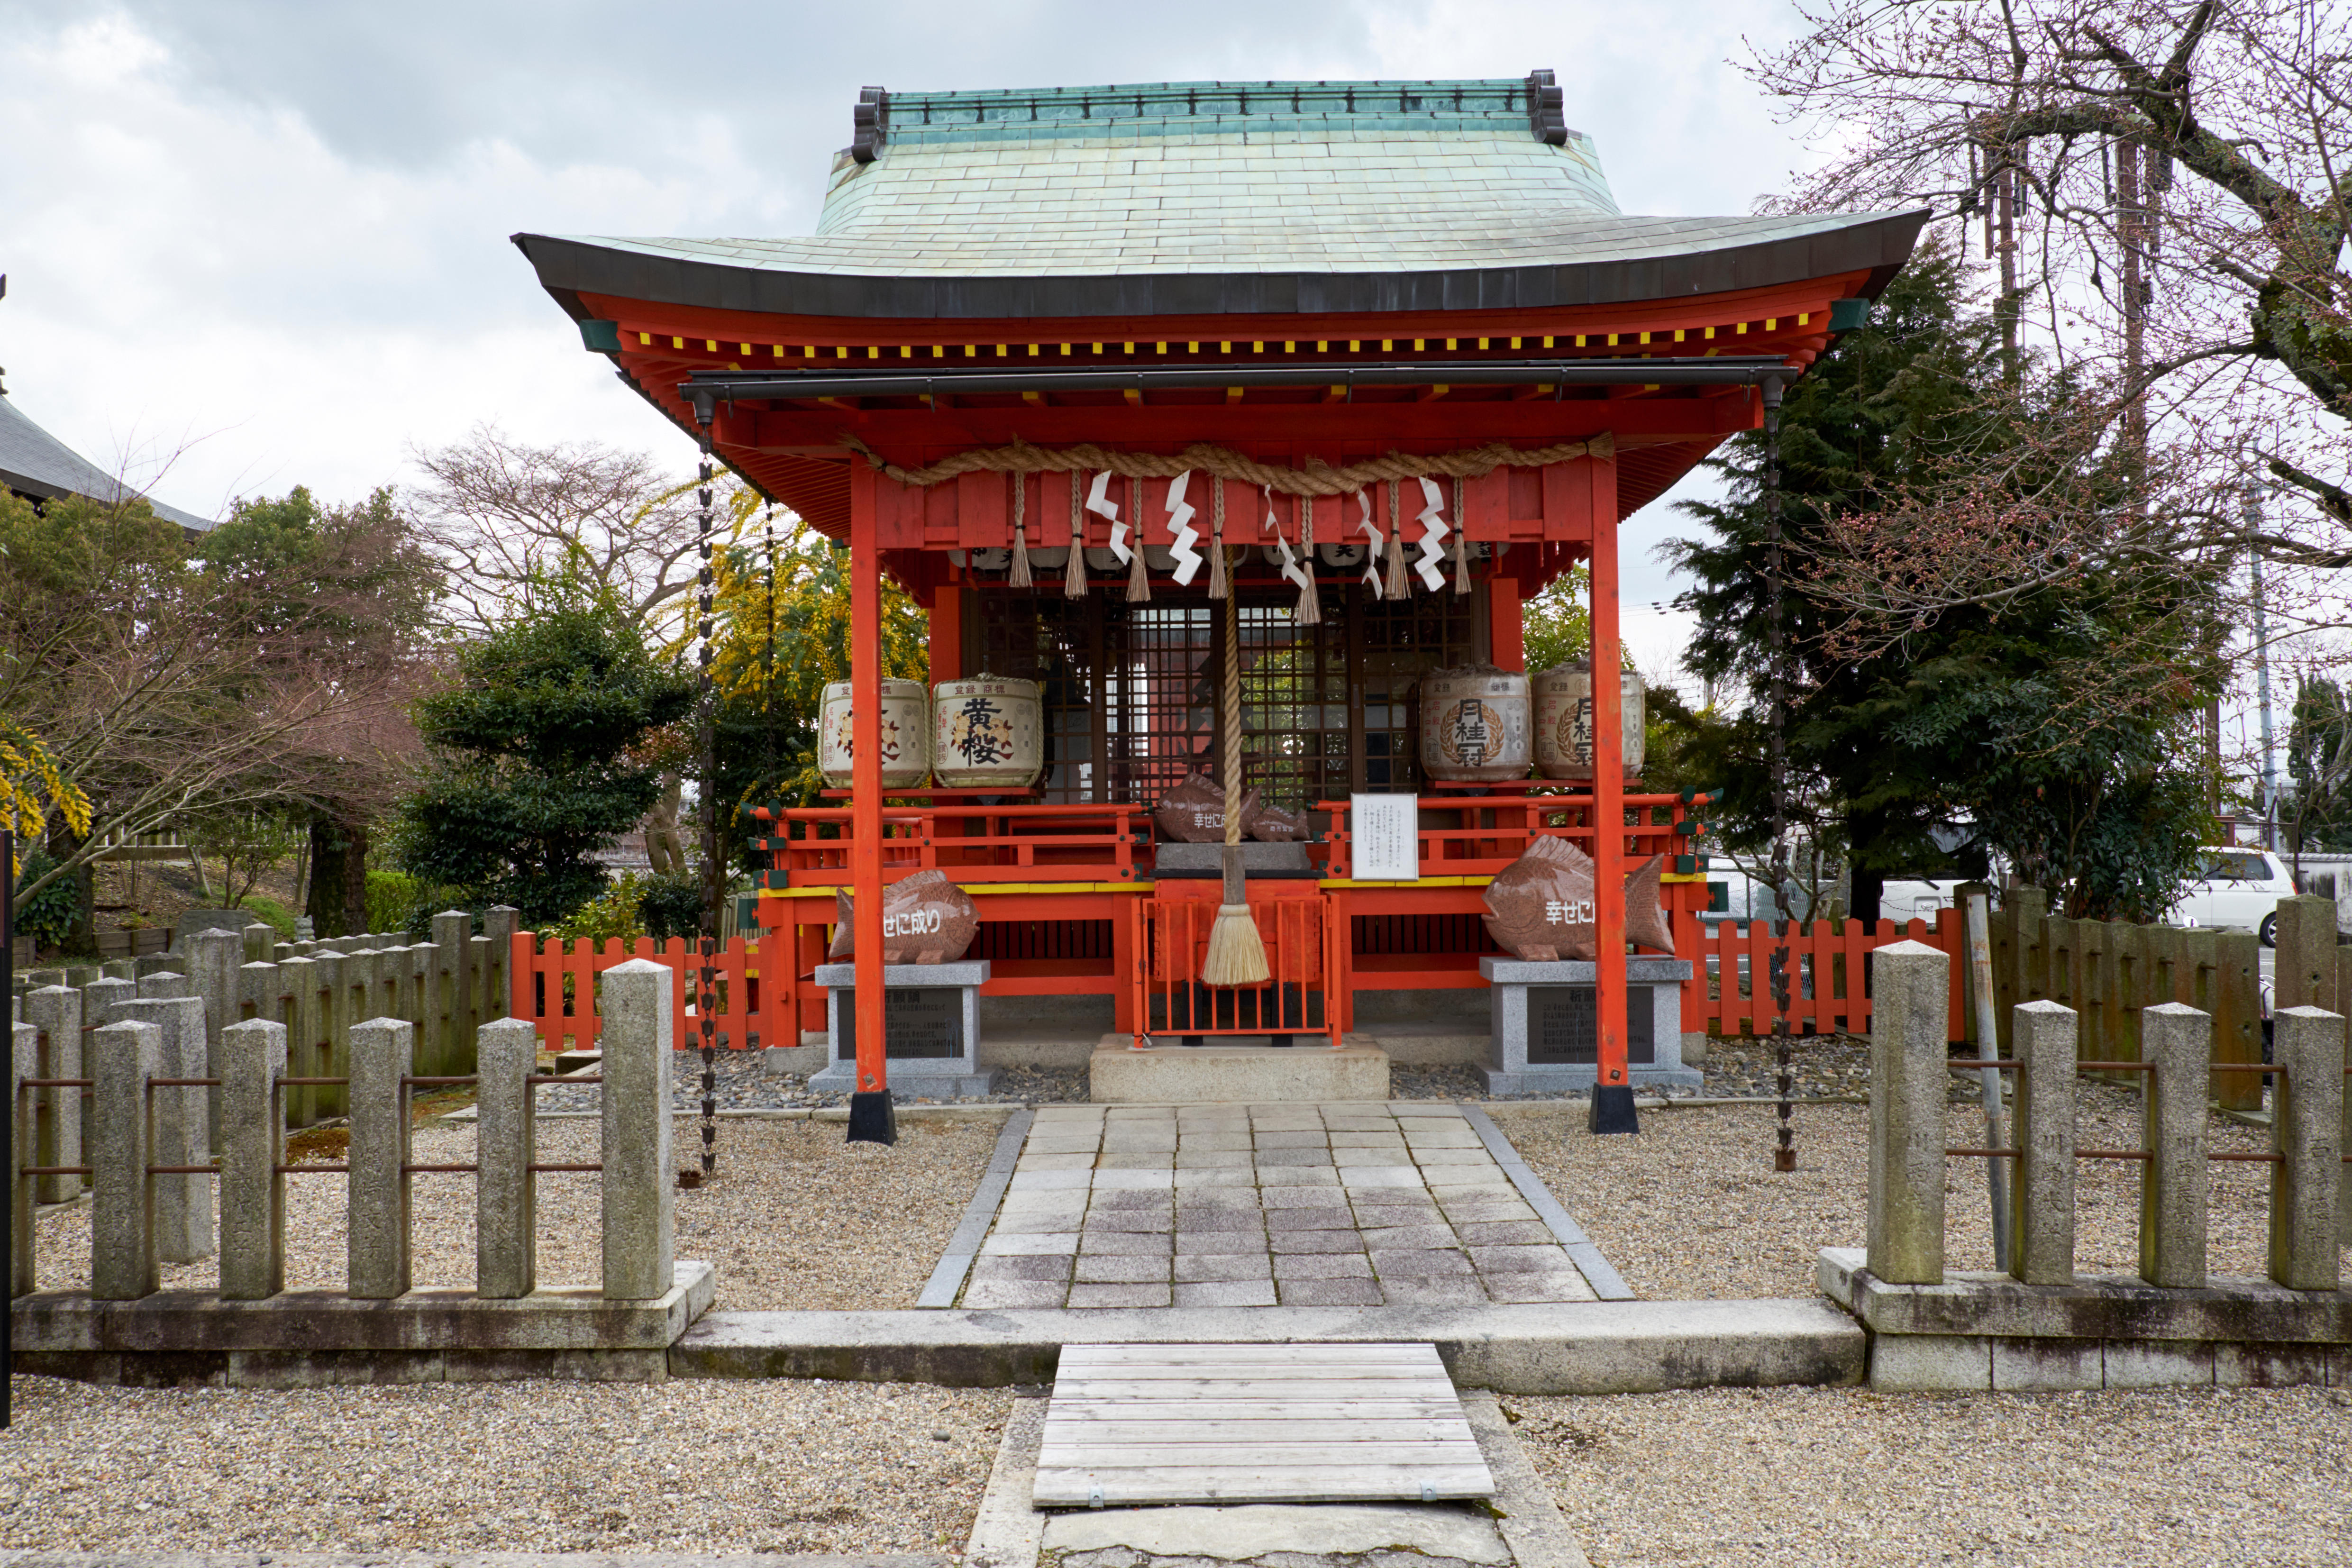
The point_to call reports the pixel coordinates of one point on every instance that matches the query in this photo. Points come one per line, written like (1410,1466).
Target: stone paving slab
(1335,1204)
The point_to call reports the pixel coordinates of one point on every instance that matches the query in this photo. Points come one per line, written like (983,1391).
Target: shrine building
(1319,322)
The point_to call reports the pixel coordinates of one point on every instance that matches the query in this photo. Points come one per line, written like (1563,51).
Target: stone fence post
(383,1053)
(182,1133)
(253,1145)
(1910,990)
(506,1221)
(123,1266)
(23,1062)
(2174,1189)
(2306,1133)
(2041,1203)
(55,1115)
(215,958)
(639,1180)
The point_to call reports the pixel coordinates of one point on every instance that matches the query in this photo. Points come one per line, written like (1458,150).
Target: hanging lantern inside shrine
(989,732)
(906,735)
(1564,720)
(1474,725)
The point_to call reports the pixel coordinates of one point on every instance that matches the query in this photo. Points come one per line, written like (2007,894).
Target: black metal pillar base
(1612,1109)
(871,1118)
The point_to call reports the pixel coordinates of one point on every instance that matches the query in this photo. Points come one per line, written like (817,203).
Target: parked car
(2234,887)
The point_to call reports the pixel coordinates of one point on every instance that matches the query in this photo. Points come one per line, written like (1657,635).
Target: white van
(2234,887)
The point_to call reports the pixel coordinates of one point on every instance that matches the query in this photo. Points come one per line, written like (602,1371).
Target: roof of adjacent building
(1184,197)
(36,463)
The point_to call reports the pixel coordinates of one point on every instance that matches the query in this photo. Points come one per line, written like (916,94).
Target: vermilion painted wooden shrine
(1262,284)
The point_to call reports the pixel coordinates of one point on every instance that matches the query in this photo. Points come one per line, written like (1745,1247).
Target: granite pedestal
(931,1028)
(1544,1037)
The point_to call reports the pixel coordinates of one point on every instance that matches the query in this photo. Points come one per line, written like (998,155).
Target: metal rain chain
(706,989)
(1784,1157)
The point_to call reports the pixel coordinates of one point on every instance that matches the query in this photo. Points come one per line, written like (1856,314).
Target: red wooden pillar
(870,1118)
(1506,624)
(1613,1094)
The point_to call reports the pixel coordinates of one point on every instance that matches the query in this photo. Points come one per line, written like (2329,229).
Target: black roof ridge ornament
(1547,109)
(869,121)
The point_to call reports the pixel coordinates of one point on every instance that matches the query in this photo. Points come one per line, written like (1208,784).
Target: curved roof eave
(1876,243)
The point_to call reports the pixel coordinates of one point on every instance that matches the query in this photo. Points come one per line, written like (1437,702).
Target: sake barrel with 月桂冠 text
(1564,721)
(906,735)
(988,732)
(1474,725)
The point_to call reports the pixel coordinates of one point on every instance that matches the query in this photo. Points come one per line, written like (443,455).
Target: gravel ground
(1843,1476)
(778,1221)
(686,1467)
(1691,1206)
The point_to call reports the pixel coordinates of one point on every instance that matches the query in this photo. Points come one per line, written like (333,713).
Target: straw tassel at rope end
(1237,954)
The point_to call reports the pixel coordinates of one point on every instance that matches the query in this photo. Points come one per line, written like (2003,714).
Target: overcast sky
(266,241)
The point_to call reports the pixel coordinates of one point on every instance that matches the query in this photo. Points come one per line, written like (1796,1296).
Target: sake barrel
(989,732)
(1474,725)
(906,735)
(1564,720)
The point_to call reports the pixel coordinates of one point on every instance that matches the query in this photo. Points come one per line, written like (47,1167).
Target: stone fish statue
(1195,811)
(1540,906)
(1272,825)
(926,919)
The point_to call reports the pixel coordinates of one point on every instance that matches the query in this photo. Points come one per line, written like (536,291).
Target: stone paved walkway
(1391,1203)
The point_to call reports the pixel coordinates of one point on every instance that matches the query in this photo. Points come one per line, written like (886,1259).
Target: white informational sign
(1387,833)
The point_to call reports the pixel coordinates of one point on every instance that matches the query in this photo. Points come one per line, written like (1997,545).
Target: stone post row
(506,1194)
(383,1052)
(54,1117)
(23,1062)
(253,1145)
(2041,1201)
(2306,1133)
(122,1264)
(639,1181)
(1911,994)
(2176,1186)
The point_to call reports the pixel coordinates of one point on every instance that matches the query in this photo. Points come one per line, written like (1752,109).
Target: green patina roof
(1238,180)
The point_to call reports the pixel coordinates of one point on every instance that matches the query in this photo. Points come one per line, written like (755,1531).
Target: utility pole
(2262,669)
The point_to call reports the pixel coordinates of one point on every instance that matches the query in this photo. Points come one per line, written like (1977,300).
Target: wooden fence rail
(2106,971)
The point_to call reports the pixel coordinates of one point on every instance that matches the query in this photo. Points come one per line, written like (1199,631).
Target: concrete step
(1599,1347)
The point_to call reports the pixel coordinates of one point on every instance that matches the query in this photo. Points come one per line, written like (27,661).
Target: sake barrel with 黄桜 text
(988,732)
(906,735)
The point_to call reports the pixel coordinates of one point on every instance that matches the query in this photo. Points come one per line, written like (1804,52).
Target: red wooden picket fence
(1730,992)
(556,984)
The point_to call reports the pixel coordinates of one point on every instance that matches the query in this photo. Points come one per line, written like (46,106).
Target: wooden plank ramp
(1255,1423)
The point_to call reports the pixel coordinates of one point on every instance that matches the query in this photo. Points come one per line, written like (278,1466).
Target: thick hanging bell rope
(1074,574)
(1218,587)
(1237,954)
(1460,544)
(1310,601)
(1318,478)
(1139,577)
(1399,586)
(1019,577)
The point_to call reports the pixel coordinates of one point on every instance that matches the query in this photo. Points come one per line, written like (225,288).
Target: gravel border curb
(947,1279)
(35,1558)
(1598,1273)
(1530,1520)
(1008,1532)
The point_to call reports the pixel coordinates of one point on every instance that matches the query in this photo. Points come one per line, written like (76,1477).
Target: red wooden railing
(557,984)
(1172,941)
(1494,829)
(1021,843)
(1730,989)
